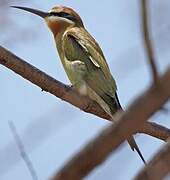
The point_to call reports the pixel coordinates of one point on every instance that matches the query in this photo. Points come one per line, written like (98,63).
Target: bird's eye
(63,14)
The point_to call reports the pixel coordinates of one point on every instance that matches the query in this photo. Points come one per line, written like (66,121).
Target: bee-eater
(83,59)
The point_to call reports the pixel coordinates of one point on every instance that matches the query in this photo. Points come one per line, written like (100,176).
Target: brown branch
(23,152)
(49,84)
(109,139)
(158,167)
(147,39)
(65,92)
(155,130)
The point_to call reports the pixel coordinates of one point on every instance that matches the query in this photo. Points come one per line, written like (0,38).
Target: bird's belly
(76,71)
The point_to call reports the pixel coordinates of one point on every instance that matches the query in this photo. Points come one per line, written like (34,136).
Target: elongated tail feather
(134,146)
(131,140)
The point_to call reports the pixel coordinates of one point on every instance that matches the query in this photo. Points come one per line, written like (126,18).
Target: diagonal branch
(49,84)
(158,167)
(95,152)
(147,38)
(67,93)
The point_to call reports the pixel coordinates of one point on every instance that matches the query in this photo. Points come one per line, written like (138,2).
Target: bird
(83,60)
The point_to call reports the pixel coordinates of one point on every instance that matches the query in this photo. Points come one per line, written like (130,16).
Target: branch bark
(110,138)
(49,84)
(67,93)
(147,39)
(158,167)
(155,130)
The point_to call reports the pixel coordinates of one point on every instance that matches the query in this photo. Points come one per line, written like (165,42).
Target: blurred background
(51,130)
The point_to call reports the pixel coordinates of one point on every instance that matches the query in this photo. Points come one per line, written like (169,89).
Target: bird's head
(58,18)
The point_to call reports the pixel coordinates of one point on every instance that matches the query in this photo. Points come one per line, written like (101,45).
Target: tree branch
(110,138)
(49,84)
(67,93)
(23,153)
(147,39)
(158,167)
(155,130)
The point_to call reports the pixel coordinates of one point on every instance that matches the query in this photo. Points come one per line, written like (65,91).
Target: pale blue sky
(52,130)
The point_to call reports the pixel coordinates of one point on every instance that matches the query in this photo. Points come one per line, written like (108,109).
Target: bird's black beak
(34,11)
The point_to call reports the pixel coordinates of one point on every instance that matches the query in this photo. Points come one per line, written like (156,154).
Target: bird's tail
(134,146)
(131,140)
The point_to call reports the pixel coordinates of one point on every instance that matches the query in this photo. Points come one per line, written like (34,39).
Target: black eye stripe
(60,14)
(63,14)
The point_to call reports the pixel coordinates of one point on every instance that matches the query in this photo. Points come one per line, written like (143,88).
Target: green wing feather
(91,47)
(79,45)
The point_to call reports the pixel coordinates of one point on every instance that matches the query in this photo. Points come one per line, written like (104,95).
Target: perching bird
(83,59)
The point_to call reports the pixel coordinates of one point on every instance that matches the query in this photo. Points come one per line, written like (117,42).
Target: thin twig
(23,152)
(147,39)
(158,167)
(65,92)
(95,152)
